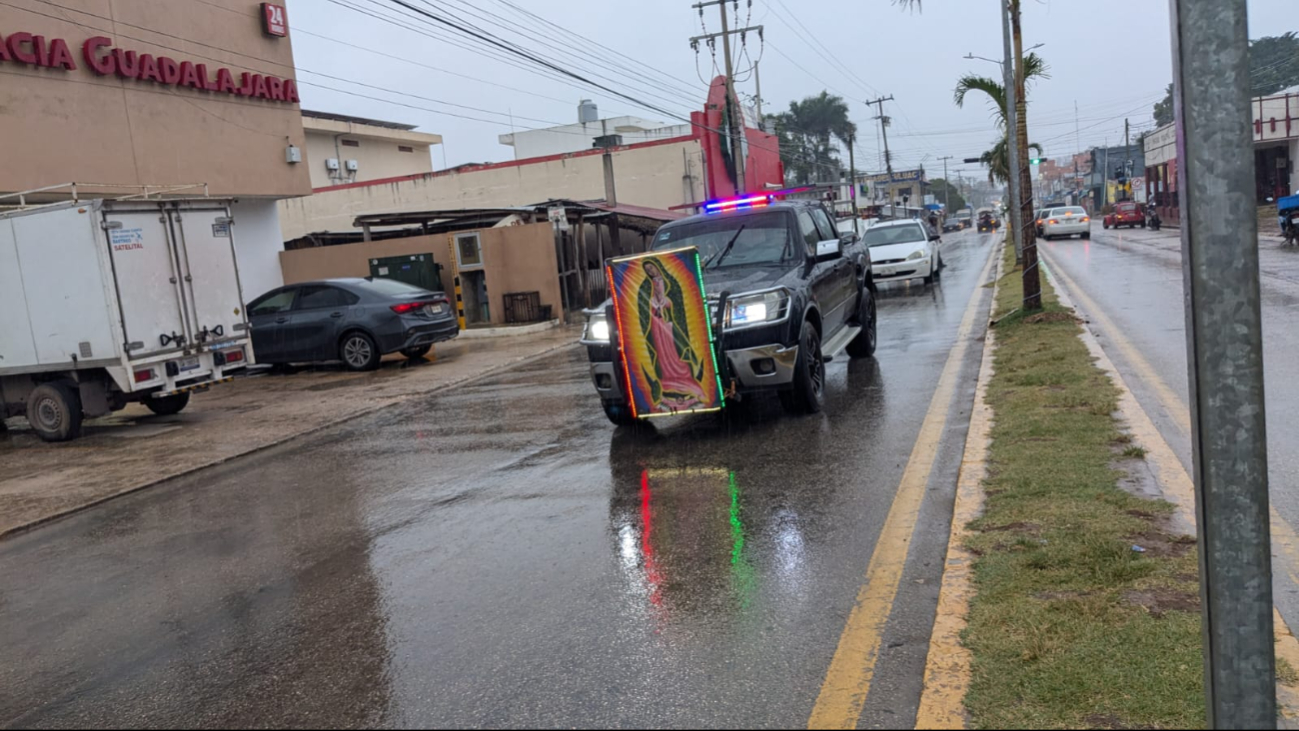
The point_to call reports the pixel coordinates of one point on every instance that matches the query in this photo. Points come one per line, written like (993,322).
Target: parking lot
(133,448)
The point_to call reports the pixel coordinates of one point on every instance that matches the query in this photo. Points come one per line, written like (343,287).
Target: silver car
(1066,222)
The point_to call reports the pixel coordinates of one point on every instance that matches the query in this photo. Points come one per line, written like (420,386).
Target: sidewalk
(133,449)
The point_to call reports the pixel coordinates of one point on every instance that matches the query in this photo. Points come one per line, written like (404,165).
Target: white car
(1066,222)
(902,250)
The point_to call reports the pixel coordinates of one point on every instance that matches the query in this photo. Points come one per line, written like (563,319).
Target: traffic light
(1035,161)
(973,160)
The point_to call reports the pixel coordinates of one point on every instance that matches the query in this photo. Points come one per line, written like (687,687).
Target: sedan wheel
(359,352)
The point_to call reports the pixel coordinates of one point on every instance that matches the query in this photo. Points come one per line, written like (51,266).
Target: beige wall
(378,159)
(515,259)
(653,176)
(378,153)
(60,126)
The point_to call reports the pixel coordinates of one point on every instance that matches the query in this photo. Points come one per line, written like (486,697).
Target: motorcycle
(1152,218)
(1287,209)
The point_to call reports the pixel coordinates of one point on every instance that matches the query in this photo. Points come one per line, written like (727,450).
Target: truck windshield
(764,240)
(888,235)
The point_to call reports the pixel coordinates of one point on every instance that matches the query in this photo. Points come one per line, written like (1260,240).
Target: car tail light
(1053,221)
(144,375)
(408,307)
(1085,219)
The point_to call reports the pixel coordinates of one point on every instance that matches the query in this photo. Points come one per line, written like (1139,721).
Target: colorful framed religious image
(665,334)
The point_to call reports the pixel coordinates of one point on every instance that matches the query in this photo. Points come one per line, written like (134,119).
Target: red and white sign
(274,21)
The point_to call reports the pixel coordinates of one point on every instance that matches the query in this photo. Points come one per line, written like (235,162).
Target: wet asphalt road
(500,555)
(1138,285)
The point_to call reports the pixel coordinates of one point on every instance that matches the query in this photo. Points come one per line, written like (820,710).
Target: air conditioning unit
(353,166)
(331,164)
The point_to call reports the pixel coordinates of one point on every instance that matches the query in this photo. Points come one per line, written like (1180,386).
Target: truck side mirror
(829,249)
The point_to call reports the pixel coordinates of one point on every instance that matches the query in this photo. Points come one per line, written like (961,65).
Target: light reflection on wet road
(501,555)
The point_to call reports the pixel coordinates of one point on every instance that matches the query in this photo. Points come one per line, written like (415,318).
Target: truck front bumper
(760,368)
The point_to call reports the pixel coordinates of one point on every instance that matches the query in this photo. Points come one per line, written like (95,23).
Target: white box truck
(108,302)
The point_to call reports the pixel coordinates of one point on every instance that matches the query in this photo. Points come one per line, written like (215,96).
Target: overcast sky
(1111,57)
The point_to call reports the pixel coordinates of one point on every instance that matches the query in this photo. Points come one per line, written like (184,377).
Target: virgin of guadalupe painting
(667,342)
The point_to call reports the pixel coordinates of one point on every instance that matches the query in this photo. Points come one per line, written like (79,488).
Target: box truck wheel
(54,411)
(168,405)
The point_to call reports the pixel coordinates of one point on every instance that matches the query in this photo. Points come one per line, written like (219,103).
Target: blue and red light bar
(735,204)
(759,200)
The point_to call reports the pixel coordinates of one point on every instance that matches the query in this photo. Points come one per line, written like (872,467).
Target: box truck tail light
(235,356)
(144,375)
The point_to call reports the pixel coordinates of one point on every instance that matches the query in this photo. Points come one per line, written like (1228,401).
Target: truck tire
(54,411)
(619,414)
(808,394)
(359,352)
(863,346)
(417,352)
(168,405)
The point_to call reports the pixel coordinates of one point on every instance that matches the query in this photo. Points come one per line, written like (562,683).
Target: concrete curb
(948,662)
(507,332)
(394,401)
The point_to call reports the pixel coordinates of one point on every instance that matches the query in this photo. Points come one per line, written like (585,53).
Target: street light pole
(1225,358)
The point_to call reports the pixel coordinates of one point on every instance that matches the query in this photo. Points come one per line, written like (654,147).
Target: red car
(1125,214)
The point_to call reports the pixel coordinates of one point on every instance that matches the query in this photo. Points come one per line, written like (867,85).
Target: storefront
(122,94)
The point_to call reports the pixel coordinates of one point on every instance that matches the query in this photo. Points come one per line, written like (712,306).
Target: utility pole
(1224,343)
(947,184)
(1012,146)
(757,96)
(884,134)
(852,177)
(735,118)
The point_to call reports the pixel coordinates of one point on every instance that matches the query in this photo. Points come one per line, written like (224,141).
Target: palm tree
(807,133)
(997,158)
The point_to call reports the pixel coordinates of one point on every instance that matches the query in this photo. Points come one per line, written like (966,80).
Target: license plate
(189,364)
(435,309)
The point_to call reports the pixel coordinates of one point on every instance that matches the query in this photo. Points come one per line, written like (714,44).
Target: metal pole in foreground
(1225,356)
(1012,124)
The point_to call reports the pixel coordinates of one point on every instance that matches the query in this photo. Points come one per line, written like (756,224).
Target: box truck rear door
(205,234)
(148,280)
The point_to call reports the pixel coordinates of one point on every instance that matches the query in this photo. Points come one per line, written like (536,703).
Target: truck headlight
(597,328)
(755,309)
(917,254)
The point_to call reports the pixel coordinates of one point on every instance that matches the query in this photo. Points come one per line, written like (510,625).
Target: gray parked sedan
(357,321)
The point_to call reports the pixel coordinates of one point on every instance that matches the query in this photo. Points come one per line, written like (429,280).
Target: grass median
(1087,604)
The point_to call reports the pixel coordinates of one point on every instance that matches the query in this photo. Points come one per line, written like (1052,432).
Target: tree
(1273,63)
(997,159)
(1164,109)
(948,194)
(1273,66)
(807,133)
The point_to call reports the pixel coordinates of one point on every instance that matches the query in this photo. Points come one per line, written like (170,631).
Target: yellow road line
(848,679)
(1174,481)
(948,664)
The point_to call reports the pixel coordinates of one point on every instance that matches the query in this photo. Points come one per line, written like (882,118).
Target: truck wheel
(168,405)
(417,352)
(863,346)
(619,414)
(808,393)
(54,411)
(358,352)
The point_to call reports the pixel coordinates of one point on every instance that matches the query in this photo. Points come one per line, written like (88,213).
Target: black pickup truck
(798,293)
